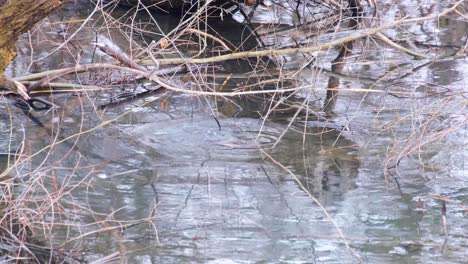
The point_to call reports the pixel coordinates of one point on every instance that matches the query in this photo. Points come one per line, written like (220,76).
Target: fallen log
(17,17)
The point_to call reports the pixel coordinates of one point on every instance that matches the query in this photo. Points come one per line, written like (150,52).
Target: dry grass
(39,206)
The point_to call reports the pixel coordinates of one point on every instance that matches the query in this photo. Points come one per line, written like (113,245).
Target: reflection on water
(5,161)
(219,199)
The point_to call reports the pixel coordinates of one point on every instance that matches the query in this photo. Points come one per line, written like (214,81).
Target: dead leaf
(164,43)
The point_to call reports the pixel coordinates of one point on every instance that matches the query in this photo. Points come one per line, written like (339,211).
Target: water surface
(198,165)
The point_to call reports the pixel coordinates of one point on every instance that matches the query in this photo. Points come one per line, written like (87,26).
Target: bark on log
(17,17)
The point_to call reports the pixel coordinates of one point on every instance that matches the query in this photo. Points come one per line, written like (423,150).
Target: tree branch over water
(288,51)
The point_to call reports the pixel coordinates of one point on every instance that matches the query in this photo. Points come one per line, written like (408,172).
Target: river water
(223,180)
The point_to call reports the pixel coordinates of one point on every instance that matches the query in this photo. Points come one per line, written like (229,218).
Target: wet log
(17,17)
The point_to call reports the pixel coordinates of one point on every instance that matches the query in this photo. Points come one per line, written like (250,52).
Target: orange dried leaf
(164,43)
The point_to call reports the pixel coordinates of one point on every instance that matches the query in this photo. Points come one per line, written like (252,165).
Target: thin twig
(288,51)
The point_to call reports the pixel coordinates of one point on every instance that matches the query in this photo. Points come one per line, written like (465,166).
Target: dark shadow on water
(324,161)
(337,66)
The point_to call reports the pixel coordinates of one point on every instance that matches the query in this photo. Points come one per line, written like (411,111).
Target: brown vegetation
(200,56)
